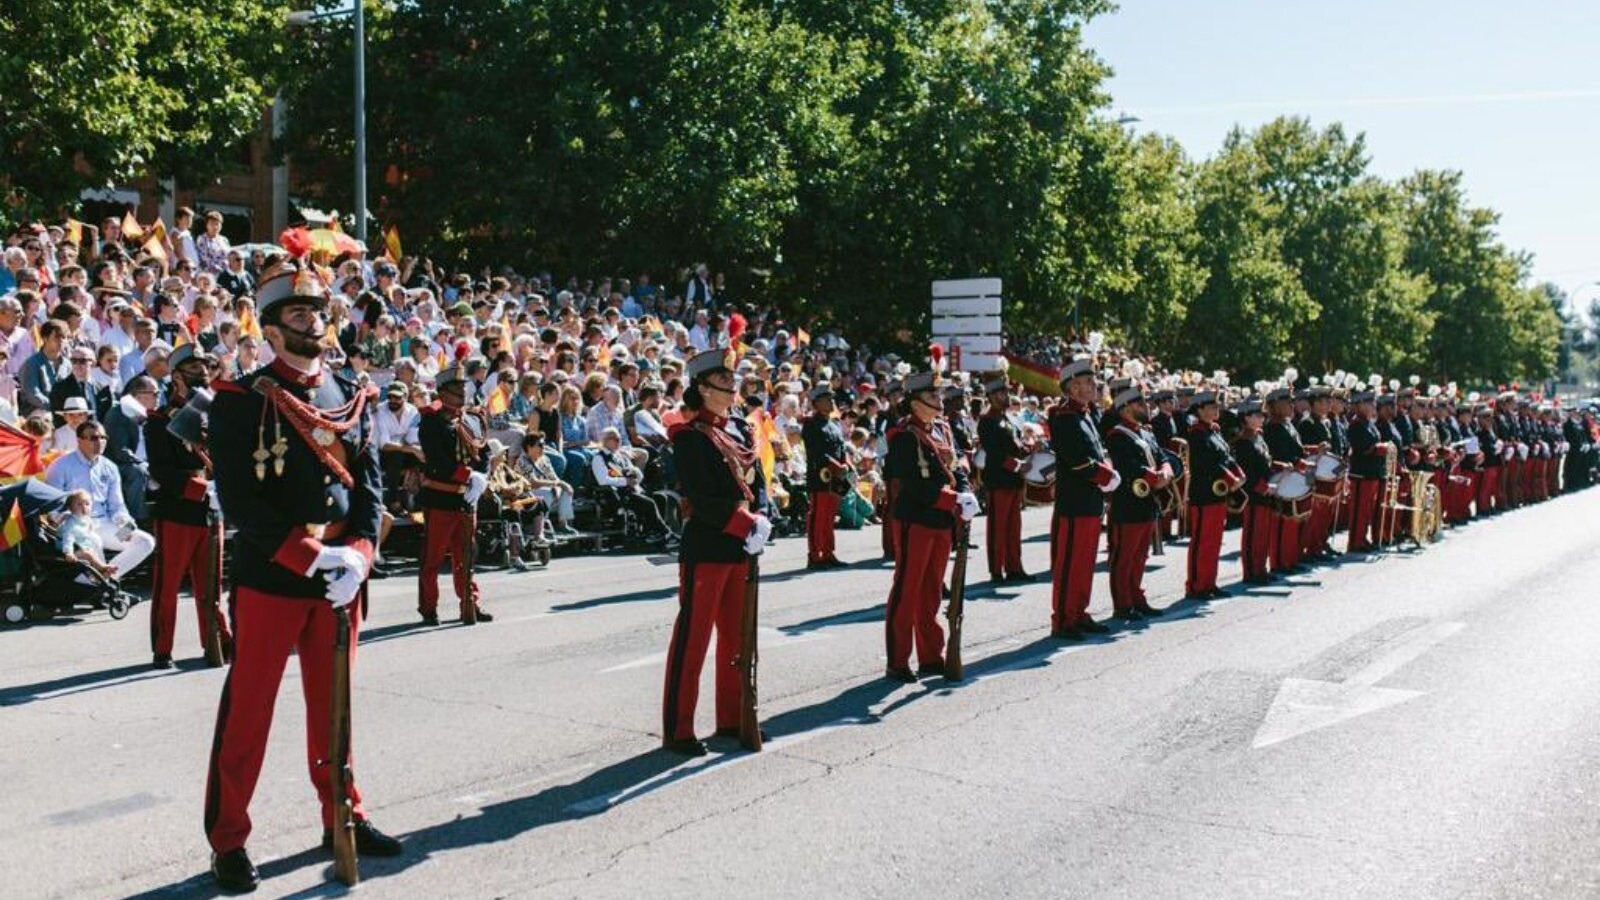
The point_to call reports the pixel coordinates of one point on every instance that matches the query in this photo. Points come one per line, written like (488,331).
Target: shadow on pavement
(82,683)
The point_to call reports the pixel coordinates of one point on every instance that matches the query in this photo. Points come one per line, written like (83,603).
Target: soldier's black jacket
(1209,460)
(1339,436)
(442,459)
(1489,444)
(1366,459)
(178,479)
(1137,458)
(824,443)
(1315,431)
(720,516)
(1002,451)
(1256,461)
(273,548)
(1405,427)
(1165,427)
(927,485)
(1080,459)
(1283,442)
(1389,431)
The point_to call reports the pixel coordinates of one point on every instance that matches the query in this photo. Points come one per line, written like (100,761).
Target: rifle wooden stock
(957,610)
(211,606)
(345,865)
(465,557)
(749,723)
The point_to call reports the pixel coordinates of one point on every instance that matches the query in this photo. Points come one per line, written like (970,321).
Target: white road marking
(768,639)
(1303,705)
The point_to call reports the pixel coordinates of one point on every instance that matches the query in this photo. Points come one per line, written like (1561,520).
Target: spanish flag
(500,400)
(1040,379)
(391,243)
(131,230)
(802,338)
(75,232)
(156,244)
(14,529)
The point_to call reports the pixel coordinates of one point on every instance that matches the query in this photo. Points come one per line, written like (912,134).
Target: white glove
(757,540)
(477,483)
(343,586)
(1113,484)
(1522,451)
(332,559)
(967,505)
(212,498)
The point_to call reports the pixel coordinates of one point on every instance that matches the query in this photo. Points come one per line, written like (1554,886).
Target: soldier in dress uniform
(1134,506)
(297,474)
(1283,442)
(1367,450)
(188,530)
(1003,461)
(1260,525)
(1316,436)
(933,492)
(1165,426)
(827,478)
(1389,433)
(1084,475)
(1490,495)
(723,487)
(455,473)
(1213,475)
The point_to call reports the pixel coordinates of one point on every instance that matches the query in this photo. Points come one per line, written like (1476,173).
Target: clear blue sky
(1506,92)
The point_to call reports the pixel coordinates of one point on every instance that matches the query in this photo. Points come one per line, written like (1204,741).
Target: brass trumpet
(1219,488)
(1140,488)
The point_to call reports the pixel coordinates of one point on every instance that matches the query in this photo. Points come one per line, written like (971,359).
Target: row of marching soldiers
(1121,457)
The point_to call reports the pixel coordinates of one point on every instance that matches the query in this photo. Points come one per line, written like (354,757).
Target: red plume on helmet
(736,326)
(936,356)
(463,350)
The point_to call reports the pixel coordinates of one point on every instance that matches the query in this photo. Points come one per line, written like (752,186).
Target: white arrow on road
(1303,705)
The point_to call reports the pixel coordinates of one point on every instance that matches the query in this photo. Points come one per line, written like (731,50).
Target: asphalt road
(1415,725)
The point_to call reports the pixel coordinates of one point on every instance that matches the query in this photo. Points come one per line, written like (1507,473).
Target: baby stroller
(47,583)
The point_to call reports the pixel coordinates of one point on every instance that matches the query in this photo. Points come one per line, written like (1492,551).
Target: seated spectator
(614,469)
(125,443)
(78,384)
(87,469)
(534,465)
(78,538)
(106,375)
(74,411)
(399,446)
(43,369)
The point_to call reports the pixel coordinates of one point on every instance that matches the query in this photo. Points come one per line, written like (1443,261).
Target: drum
(1328,467)
(1040,469)
(1471,447)
(1292,491)
(1175,461)
(1039,479)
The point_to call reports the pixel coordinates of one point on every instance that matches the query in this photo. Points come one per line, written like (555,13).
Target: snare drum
(1040,469)
(1328,467)
(1292,491)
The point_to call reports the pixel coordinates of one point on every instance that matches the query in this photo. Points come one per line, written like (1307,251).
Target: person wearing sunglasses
(79,383)
(88,469)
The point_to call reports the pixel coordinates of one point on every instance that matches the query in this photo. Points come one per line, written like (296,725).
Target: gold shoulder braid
(321,429)
(739,458)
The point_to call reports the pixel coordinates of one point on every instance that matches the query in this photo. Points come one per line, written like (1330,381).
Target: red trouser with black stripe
(446,533)
(1206,524)
(820,518)
(1286,545)
(921,554)
(710,595)
(1074,541)
(1318,527)
(1364,497)
(1004,532)
(1130,550)
(1489,496)
(267,628)
(1255,544)
(192,550)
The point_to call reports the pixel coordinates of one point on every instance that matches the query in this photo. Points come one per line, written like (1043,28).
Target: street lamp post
(358,14)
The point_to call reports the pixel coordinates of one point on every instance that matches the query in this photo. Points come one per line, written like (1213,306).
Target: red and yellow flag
(75,232)
(1043,380)
(14,529)
(156,244)
(500,400)
(131,230)
(391,243)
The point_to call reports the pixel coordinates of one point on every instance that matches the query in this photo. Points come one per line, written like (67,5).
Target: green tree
(99,91)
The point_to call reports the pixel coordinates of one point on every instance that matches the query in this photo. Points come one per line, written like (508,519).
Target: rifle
(211,607)
(467,557)
(345,866)
(749,724)
(956,611)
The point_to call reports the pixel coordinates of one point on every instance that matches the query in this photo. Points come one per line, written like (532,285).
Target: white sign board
(966,321)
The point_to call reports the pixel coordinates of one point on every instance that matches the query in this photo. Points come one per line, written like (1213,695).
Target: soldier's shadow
(651,771)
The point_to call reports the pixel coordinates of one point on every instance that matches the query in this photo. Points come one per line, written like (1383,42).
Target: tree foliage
(96,92)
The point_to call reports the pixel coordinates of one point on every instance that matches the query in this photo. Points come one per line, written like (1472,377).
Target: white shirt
(700,338)
(397,428)
(648,426)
